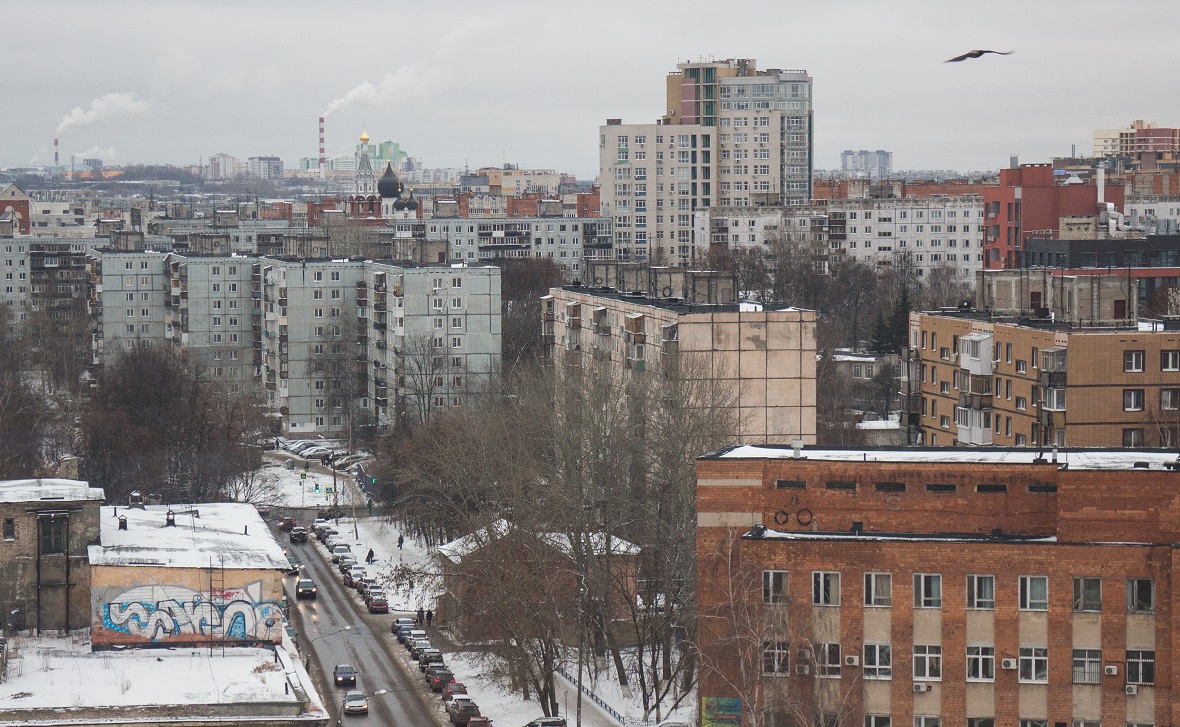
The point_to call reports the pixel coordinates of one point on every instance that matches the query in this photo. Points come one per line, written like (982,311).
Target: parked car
(452,689)
(428,657)
(340,549)
(263,510)
(298,534)
(461,710)
(346,562)
(438,671)
(399,622)
(378,603)
(315,524)
(325,532)
(314,452)
(352,574)
(344,675)
(285,524)
(416,646)
(305,588)
(364,582)
(547,722)
(404,635)
(479,721)
(355,702)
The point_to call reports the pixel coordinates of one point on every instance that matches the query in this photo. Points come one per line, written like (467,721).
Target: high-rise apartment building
(737,136)
(868,164)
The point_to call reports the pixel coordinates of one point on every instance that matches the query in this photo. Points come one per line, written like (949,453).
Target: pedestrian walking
(370,557)
(429,617)
(421,616)
(401,540)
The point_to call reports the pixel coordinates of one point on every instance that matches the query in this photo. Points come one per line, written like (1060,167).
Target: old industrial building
(937,587)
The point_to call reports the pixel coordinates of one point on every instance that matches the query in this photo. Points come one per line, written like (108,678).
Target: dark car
(399,622)
(439,677)
(344,676)
(428,657)
(293,566)
(378,603)
(298,534)
(452,689)
(305,588)
(286,523)
(461,710)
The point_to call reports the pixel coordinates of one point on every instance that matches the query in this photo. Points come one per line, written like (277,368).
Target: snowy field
(282,487)
(64,673)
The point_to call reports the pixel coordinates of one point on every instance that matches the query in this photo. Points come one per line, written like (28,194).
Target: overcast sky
(484,83)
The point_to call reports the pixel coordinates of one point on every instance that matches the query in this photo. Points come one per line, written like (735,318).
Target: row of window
(1033,591)
(875,720)
(1031,664)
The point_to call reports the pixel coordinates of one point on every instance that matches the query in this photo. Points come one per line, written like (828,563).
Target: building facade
(945,587)
(767,356)
(1037,383)
(868,164)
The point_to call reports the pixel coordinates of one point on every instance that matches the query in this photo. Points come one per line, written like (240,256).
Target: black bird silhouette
(976,54)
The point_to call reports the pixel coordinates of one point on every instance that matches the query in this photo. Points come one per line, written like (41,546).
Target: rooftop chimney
(170,519)
(122,522)
(135,499)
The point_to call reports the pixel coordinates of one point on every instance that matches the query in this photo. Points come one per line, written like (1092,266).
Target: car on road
(429,657)
(298,534)
(344,675)
(339,550)
(378,603)
(438,677)
(452,690)
(263,510)
(293,566)
(305,588)
(287,523)
(355,702)
(547,722)
(461,710)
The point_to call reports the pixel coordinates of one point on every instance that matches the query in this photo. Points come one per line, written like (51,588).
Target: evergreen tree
(899,322)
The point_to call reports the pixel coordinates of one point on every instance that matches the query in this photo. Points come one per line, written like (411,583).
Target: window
(53,534)
(1132,399)
(1021,366)
(981,592)
(878,589)
(1034,723)
(827,660)
(9,529)
(1087,594)
(981,722)
(776,658)
(1034,664)
(1132,437)
(878,661)
(774,586)
(927,590)
(878,720)
(1140,595)
(1087,666)
(825,588)
(1133,362)
(1034,593)
(1170,360)
(927,662)
(981,663)
(1140,667)
(1169,399)
(923,721)
(456,343)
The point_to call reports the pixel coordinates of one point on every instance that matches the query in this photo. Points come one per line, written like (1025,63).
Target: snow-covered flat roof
(224,533)
(65,678)
(48,489)
(899,537)
(1080,459)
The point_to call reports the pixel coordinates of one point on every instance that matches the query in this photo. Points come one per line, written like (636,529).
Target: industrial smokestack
(55,162)
(323,160)
(1101,186)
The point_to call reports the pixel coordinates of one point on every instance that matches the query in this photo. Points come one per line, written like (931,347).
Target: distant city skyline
(529,83)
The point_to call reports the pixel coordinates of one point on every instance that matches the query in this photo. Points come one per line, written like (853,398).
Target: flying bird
(976,54)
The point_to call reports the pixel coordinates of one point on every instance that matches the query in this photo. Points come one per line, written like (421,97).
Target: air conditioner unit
(920,688)
(1112,670)
(1132,689)
(1008,664)
(803,669)
(852,660)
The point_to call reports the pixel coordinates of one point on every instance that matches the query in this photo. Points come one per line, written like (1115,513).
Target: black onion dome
(406,203)
(389,186)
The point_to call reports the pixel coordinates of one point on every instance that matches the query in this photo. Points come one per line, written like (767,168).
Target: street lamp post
(307,657)
(340,709)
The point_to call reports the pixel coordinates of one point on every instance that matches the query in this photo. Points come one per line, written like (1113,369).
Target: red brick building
(1030,202)
(934,587)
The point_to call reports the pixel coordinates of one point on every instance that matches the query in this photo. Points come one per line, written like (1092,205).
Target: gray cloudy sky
(529,82)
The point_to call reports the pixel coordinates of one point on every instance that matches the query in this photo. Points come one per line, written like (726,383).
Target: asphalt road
(365,644)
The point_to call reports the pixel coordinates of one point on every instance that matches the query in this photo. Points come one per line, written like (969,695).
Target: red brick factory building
(938,587)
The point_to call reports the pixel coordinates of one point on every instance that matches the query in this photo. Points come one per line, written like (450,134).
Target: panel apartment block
(938,587)
(767,355)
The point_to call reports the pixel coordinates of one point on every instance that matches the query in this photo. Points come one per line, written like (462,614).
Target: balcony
(975,354)
(1053,399)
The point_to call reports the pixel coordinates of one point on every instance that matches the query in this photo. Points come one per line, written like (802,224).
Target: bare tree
(424,362)
(339,361)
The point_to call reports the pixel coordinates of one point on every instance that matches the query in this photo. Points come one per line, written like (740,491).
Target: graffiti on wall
(177,613)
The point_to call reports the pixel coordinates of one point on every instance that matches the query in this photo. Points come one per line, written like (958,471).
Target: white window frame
(928,662)
(1027,600)
(1087,663)
(1033,665)
(975,601)
(780,651)
(775,584)
(878,662)
(927,590)
(822,591)
(981,658)
(878,590)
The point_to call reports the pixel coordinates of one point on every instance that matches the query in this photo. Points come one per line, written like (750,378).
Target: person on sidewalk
(401,540)
(429,617)
(370,557)
(421,616)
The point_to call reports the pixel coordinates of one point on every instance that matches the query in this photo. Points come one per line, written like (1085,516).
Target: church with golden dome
(378,199)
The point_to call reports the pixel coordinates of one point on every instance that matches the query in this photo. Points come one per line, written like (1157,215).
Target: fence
(610,711)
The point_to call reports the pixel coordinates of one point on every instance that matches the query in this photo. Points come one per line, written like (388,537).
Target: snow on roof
(1085,459)
(64,675)
(865,357)
(899,537)
(460,548)
(748,307)
(226,533)
(879,424)
(48,489)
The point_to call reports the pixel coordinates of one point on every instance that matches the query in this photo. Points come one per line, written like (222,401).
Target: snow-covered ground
(65,673)
(297,487)
(495,701)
